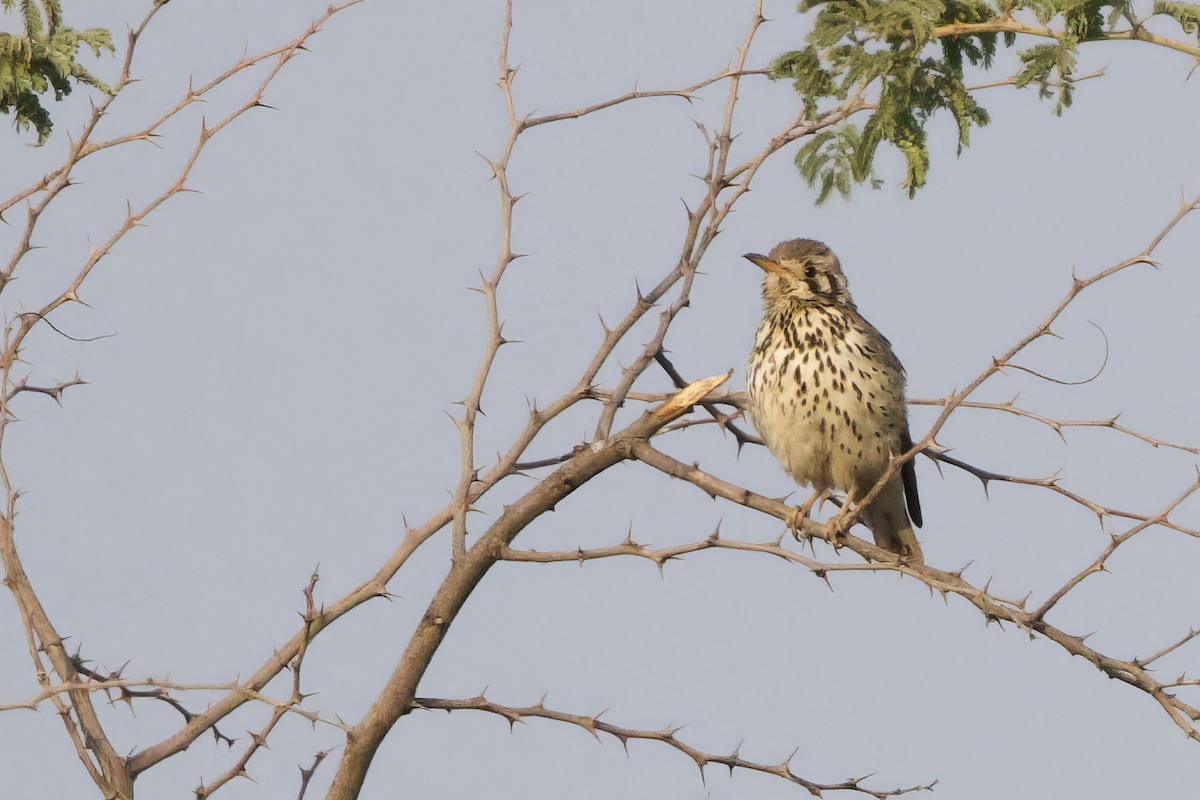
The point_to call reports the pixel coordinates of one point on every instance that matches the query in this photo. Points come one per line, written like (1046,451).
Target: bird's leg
(837,525)
(801,512)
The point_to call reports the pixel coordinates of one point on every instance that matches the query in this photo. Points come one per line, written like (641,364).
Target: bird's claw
(794,523)
(801,513)
(836,528)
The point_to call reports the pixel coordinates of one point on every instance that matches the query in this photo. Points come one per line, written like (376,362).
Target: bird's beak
(764,263)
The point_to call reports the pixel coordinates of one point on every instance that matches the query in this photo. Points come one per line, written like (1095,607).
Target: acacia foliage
(908,57)
(43,59)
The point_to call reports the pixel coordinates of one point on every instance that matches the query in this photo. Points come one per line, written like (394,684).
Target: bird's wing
(908,474)
(882,348)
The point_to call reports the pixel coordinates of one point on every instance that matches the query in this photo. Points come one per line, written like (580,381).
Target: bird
(826,394)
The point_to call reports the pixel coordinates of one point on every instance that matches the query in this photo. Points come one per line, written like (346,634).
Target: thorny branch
(126,690)
(1058,426)
(1008,25)
(1051,484)
(723,186)
(258,740)
(666,736)
(1133,671)
(306,774)
(661,556)
(947,583)
(1000,363)
(112,772)
(725,421)
(724,183)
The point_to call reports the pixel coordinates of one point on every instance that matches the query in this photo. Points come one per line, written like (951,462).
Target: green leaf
(826,162)
(1186,14)
(1045,64)
(881,55)
(42,60)
(877,46)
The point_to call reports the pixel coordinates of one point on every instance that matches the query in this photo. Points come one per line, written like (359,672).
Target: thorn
(495,167)
(735,756)
(823,575)
(73,296)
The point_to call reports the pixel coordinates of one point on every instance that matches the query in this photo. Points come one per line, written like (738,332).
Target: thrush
(827,394)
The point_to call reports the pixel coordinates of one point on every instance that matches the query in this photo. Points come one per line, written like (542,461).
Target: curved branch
(1010,25)
(1057,425)
(946,583)
(397,695)
(666,736)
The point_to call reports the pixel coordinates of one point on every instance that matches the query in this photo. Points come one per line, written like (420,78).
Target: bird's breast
(824,401)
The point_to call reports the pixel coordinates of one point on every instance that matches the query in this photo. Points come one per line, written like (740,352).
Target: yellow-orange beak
(764,263)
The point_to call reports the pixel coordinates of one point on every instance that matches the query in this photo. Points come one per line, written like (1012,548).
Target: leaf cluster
(43,60)
(906,59)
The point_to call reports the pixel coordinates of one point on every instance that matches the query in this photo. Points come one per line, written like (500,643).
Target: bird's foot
(801,513)
(911,554)
(837,525)
(794,520)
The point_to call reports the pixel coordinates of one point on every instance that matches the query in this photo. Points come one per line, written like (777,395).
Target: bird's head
(802,269)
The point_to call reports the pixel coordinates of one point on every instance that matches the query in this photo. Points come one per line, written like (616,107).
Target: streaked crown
(803,269)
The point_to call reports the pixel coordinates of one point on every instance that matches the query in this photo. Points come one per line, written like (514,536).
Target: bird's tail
(887,517)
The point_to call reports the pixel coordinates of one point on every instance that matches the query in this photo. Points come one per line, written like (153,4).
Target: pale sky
(288,344)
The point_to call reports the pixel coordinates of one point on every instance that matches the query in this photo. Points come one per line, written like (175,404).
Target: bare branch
(306,774)
(111,772)
(1116,541)
(998,364)
(723,420)
(1191,634)
(1006,24)
(397,695)
(663,555)
(992,607)
(666,736)
(1058,425)
(687,93)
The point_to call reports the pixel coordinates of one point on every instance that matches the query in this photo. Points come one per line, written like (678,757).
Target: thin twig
(1058,425)
(667,736)
(992,607)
